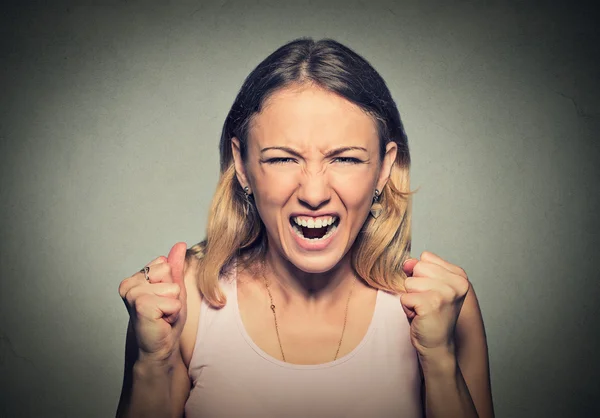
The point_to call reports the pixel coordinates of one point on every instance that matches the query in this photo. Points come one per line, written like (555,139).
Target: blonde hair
(235,231)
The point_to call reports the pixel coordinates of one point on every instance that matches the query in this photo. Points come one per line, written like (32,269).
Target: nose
(314,191)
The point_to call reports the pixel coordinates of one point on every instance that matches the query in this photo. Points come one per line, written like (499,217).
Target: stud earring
(376,207)
(246,191)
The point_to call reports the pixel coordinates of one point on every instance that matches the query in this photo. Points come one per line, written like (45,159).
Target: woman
(303,300)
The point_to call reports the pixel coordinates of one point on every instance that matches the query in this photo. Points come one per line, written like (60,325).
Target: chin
(315,264)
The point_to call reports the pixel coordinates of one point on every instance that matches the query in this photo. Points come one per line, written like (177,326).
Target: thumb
(176,259)
(408,266)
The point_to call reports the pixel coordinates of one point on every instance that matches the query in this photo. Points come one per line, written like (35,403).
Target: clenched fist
(157,306)
(435,292)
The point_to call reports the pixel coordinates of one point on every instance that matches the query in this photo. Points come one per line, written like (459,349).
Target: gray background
(110,118)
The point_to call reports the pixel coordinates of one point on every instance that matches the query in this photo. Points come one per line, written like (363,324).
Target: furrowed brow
(338,151)
(286,149)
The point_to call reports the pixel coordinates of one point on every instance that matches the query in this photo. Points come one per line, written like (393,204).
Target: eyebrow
(330,153)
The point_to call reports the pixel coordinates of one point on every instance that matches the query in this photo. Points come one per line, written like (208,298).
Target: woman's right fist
(157,306)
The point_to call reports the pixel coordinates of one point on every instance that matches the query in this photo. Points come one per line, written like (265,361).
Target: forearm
(446,392)
(150,391)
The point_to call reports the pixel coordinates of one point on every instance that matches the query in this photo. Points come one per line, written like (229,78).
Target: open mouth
(314,229)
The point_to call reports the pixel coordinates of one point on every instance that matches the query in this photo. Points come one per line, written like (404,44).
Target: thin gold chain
(345,320)
(275,318)
(277,327)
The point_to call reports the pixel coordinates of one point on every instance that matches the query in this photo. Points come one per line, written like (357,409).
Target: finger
(409,265)
(421,303)
(157,273)
(157,260)
(153,308)
(410,314)
(430,257)
(168,290)
(425,269)
(139,277)
(428,269)
(176,260)
(427,284)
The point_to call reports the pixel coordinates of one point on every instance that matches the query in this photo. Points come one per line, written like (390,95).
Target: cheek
(271,193)
(355,188)
(274,190)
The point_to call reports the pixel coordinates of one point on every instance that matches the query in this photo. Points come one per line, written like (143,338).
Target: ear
(240,169)
(386,167)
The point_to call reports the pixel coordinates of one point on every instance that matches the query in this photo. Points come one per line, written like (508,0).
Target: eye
(280,160)
(347,160)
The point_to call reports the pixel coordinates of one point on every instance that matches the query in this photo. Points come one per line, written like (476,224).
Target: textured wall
(110,115)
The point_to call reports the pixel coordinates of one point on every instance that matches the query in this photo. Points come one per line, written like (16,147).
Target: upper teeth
(314,222)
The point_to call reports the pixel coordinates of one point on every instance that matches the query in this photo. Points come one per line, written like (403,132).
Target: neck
(296,285)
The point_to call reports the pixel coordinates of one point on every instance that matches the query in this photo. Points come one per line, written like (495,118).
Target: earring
(248,203)
(376,207)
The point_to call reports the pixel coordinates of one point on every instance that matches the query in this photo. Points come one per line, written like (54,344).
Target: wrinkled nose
(314,191)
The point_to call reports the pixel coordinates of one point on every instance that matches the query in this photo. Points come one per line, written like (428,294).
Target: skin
(310,287)
(290,169)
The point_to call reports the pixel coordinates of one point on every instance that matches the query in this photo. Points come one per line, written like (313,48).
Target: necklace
(277,328)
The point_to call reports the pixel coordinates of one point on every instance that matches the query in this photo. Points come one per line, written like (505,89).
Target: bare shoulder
(472,351)
(188,335)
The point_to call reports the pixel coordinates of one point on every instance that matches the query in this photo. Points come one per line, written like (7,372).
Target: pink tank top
(232,377)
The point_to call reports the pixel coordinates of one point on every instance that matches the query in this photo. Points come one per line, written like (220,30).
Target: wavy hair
(235,230)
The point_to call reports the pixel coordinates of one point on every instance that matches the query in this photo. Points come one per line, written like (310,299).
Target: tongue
(312,233)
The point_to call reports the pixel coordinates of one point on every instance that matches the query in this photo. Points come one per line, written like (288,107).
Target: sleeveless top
(232,377)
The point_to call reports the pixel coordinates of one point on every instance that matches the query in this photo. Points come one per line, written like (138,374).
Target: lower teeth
(330,231)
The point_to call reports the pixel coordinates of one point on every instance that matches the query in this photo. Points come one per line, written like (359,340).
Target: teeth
(327,235)
(315,223)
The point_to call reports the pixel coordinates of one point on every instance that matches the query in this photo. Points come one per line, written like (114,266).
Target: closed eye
(347,160)
(280,160)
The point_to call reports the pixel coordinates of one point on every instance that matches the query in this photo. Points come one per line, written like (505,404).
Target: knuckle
(161,272)
(131,296)
(463,287)
(122,290)
(157,261)
(124,286)
(176,289)
(177,305)
(436,300)
(418,269)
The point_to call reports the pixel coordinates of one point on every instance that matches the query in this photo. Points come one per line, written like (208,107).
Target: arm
(457,383)
(150,389)
(155,388)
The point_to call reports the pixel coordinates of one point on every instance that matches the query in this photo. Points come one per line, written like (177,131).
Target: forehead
(306,116)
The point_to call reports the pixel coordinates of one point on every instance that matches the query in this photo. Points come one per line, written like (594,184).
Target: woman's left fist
(435,292)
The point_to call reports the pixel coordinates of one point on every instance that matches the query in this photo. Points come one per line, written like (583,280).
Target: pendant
(376,210)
